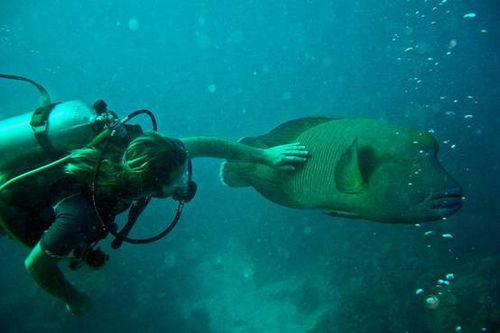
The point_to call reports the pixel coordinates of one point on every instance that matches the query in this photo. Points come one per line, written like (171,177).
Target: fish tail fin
(235,174)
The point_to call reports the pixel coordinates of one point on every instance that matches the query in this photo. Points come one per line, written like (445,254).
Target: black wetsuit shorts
(76,226)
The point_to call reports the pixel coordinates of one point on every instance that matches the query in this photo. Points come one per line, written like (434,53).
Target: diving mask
(182,188)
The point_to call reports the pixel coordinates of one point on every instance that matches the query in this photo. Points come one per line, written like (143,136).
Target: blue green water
(236,262)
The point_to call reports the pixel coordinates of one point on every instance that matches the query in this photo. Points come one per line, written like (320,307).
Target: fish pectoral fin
(348,176)
(342,213)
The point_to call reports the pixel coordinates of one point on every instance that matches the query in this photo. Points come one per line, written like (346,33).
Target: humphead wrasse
(358,168)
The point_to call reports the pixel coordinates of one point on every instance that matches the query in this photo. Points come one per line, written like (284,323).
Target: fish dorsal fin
(253,142)
(348,176)
(286,132)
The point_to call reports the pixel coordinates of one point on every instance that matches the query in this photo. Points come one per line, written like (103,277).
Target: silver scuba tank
(69,125)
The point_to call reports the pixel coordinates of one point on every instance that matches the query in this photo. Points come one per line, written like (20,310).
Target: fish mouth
(447,202)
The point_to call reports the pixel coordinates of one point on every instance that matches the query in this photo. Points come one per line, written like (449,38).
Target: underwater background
(237,262)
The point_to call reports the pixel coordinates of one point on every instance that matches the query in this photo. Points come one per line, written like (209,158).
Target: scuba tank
(68,126)
(51,130)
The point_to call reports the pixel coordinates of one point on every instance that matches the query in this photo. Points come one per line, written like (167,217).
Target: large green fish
(358,168)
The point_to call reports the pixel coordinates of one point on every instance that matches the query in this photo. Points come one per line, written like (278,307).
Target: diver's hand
(286,157)
(80,305)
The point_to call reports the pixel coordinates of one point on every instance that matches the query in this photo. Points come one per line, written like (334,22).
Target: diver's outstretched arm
(280,157)
(44,270)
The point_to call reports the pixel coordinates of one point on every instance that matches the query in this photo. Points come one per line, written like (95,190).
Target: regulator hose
(43,92)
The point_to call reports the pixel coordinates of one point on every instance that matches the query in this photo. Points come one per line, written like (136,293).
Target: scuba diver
(68,169)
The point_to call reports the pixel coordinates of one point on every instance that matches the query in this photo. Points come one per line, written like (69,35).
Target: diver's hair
(146,162)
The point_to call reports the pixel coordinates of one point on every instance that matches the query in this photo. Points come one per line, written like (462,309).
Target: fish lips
(446,203)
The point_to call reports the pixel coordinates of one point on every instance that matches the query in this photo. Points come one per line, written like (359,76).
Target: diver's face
(179,183)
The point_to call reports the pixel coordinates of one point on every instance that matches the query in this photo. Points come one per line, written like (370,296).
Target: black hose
(143,111)
(121,237)
(41,89)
